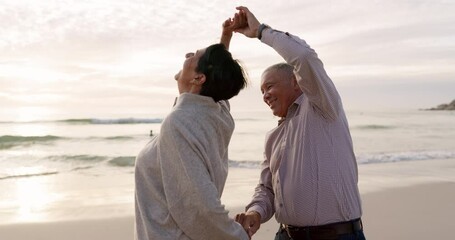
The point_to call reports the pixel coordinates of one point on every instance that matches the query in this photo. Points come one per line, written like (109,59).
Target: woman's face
(186,77)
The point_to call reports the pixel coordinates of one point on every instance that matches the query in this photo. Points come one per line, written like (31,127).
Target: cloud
(126,53)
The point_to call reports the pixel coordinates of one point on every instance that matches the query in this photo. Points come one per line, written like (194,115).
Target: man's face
(278,91)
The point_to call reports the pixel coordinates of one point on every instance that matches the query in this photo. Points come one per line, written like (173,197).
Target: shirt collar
(195,100)
(292,110)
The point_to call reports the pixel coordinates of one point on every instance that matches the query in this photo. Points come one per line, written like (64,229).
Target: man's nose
(265,96)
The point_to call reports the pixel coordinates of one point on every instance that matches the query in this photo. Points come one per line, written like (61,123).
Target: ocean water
(105,146)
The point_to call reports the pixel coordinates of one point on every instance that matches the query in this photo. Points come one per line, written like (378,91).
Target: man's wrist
(260,29)
(255,213)
(227,33)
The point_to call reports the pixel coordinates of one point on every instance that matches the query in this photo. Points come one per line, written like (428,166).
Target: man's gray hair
(283,68)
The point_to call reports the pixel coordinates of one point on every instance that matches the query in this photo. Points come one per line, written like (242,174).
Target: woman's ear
(197,82)
(199,79)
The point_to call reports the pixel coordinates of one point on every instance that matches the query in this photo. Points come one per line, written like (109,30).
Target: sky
(99,58)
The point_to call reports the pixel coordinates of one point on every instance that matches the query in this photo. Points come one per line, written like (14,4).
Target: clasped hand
(243,22)
(250,221)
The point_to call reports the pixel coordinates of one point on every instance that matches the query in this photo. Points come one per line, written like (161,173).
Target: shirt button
(281,205)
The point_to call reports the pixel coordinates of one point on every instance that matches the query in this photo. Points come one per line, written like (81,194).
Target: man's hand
(250,29)
(251,221)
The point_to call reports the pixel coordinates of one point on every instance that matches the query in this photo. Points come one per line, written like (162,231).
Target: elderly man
(309,175)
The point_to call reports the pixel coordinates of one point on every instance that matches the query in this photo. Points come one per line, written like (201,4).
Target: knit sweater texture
(180,175)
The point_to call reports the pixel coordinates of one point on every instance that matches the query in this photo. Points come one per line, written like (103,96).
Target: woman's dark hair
(224,77)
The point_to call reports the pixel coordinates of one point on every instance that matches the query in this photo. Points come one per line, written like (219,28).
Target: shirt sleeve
(263,198)
(309,70)
(192,197)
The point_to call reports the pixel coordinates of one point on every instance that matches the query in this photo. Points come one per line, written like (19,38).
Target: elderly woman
(180,174)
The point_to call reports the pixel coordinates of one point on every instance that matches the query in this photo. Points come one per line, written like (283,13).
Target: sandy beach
(404,200)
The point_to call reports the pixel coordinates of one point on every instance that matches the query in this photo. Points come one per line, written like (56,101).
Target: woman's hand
(231,25)
(250,25)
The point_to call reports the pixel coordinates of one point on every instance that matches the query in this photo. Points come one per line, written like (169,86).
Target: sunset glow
(116,54)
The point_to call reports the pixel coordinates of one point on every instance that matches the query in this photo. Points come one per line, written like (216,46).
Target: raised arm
(229,26)
(310,73)
(226,34)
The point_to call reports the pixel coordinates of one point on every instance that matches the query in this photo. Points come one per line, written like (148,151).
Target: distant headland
(444,106)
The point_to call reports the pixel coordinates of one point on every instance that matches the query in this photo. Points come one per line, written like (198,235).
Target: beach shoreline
(402,200)
(414,212)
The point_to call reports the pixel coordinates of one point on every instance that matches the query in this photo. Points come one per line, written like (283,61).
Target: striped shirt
(309,174)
